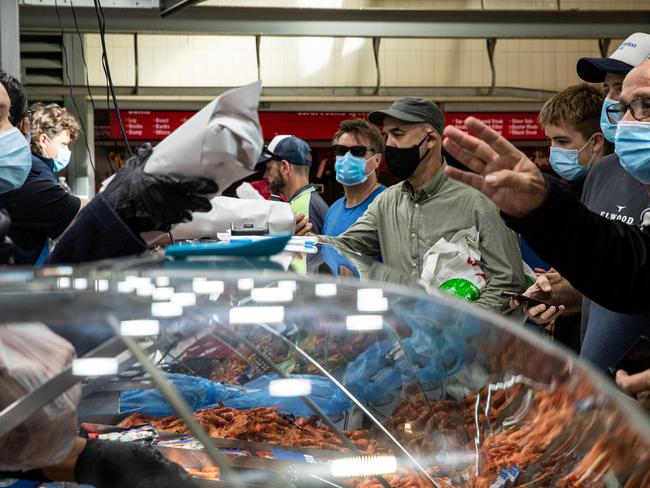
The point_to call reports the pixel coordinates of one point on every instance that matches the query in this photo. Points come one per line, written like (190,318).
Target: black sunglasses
(639,108)
(341,150)
(267,152)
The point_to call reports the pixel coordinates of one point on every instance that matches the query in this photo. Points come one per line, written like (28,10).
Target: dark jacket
(574,240)
(97,233)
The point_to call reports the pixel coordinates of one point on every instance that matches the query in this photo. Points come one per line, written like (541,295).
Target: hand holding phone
(523,299)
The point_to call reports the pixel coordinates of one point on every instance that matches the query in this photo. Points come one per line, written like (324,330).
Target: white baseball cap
(631,53)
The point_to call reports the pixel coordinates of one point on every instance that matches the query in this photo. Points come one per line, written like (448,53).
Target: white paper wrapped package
(30,355)
(222,141)
(454,266)
(227,211)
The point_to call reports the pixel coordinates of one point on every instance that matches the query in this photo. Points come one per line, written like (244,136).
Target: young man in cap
(615,194)
(406,220)
(288,159)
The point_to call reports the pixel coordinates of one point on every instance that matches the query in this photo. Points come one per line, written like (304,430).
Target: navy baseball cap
(289,148)
(631,53)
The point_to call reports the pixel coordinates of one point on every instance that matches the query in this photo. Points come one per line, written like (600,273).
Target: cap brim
(593,70)
(377,117)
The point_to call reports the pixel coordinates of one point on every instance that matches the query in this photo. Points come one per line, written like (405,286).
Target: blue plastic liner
(202,393)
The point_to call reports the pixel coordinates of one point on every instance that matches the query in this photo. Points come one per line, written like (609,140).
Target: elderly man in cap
(288,159)
(405,221)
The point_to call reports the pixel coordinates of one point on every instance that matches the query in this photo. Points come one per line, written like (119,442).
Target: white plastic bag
(30,355)
(227,211)
(454,266)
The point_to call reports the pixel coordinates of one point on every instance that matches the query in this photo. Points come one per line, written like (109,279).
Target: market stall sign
(513,126)
(146,125)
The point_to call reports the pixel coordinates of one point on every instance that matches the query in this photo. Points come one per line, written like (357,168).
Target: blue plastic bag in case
(198,392)
(202,393)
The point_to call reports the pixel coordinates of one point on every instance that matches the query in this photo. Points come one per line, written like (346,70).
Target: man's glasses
(341,150)
(639,108)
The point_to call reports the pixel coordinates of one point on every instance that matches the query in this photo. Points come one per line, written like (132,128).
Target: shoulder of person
(603,167)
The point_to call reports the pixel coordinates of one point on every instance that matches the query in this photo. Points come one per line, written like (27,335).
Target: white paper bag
(222,141)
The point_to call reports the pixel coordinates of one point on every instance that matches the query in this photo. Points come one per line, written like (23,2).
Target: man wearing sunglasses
(406,220)
(288,160)
(615,194)
(359,149)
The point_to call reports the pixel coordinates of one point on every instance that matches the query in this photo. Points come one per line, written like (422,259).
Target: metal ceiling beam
(464,24)
(169,7)
(45,91)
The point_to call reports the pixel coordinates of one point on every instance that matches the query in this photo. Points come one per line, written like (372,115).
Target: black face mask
(403,162)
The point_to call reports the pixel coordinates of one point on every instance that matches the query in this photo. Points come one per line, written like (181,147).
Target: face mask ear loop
(592,153)
(422,142)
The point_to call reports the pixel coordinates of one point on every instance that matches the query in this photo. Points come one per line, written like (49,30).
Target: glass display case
(254,377)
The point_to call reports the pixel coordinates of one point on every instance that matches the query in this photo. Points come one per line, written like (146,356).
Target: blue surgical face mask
(633,148)
(350,170)
(609,129)
(566,164)
(62,158)
(15,160)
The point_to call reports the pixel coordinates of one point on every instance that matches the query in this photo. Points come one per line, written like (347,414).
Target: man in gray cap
(405,221)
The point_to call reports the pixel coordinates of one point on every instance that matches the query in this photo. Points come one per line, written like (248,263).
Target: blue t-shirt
(338,219)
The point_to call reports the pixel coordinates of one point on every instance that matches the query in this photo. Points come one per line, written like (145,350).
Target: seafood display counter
(248,378)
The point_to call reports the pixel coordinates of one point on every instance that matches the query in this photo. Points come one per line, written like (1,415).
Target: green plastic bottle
(461,288)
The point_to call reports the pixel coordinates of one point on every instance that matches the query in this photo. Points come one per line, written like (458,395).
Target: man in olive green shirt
(405,221)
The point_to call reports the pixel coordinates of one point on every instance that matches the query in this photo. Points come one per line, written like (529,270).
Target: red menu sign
(512,126)
(144,125)
(147,125)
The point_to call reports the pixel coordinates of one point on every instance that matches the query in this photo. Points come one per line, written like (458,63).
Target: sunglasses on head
(341,150)
(267,152)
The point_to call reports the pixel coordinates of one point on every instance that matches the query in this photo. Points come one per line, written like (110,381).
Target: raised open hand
(502,172)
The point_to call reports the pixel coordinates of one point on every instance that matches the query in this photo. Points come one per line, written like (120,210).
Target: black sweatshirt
(607,261)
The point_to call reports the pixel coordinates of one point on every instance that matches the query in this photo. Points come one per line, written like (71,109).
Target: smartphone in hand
(527,301)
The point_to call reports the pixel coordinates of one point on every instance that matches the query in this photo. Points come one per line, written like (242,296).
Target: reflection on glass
(272,295)
(207,287)
(364,322)
(162,294)
(80,283)
(63,282)
(289,387)
(94,367)
(254,315)
(138,328)
(363,466)
(185,299)
(325,290)
(102,285)
(245,284)
(166,309)
(162,281)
